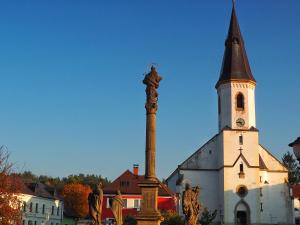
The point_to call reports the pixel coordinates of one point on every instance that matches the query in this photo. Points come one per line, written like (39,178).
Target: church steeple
(235,65)
(236,84)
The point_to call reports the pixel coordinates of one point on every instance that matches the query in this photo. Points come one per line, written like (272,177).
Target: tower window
(261,207)
(240,104)
(241,139)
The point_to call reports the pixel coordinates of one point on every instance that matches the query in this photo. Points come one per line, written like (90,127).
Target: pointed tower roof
(235,65)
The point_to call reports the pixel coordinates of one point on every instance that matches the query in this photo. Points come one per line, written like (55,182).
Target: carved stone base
(149,214)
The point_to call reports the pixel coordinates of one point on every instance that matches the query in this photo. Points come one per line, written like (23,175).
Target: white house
(237,175)
(41,205)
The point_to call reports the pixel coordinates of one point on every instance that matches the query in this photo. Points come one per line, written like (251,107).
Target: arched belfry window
(240,101)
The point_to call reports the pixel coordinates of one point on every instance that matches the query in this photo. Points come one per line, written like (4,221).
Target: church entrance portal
(241,218)
(242,213)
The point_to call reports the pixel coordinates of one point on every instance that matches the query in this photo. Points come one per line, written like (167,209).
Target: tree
(207,217)
(76,199)
(171,218)
(292,165)
(10,187)
(129,220)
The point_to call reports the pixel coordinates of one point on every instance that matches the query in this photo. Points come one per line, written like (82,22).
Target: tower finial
(233,3)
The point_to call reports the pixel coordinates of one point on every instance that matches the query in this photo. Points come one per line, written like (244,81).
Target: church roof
(235,66)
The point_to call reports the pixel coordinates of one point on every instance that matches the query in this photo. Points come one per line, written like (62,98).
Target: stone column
(149,214)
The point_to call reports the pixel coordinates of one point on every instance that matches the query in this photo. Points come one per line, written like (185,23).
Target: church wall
(275,197)
(249,146)
(208,181)
(224,93)
(204,158)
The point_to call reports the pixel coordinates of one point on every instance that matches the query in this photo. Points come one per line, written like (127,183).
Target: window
(30,209)
(242,191)
(109,203)
(241,168)
(23,222)
(43,210)
(261,207)
(35,223)
(57,212)
(260,192)
(241,141)
(124,183)
(36,208)
(260,179)
(24,208)
(240,101)
(136,203)
(125,203)
(52,210)
(30,222)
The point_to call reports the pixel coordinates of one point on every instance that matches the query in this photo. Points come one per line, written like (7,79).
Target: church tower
(236,84)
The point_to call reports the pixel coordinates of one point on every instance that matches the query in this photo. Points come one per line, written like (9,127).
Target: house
(41,205)
(237,175)
(127,183)
(296,195)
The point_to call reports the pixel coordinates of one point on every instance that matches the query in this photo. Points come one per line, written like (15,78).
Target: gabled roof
(40,190)
(235,66)
(127,183)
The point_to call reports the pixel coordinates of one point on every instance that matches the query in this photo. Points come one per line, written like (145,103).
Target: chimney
(136,169)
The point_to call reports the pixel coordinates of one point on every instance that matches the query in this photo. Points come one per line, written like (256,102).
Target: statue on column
(117,206)
(95,204)
(190,205)
(152,80)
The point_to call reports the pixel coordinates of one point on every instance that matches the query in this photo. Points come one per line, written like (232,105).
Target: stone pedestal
(149,214)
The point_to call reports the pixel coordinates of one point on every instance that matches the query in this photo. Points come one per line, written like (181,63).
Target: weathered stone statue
(117,205)
(190,205)
(95,204)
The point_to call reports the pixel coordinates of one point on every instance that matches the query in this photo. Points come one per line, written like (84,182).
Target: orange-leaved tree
(10,188)
(76,199)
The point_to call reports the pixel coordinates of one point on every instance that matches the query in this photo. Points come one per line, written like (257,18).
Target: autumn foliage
(76,199)
(10,186)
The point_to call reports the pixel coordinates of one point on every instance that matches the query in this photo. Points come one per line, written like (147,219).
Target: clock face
(240,122)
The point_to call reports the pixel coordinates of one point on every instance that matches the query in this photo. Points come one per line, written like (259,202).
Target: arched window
(240,101)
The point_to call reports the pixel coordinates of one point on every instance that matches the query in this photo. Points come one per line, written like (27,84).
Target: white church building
(237,176)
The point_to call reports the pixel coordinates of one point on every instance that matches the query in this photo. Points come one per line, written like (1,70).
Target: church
(237,176)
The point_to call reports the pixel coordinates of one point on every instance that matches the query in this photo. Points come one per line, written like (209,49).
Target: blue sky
(72,98)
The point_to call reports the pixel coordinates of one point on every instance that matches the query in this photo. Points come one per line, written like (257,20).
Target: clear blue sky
(72,98)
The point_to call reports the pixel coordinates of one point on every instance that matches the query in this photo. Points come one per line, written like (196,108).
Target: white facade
(41,211)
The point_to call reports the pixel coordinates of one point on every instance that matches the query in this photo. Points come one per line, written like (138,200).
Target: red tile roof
(127,183)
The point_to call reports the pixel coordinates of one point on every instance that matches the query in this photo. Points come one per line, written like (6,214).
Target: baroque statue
(117,206)
(95,204)
(190,205)
(152,80)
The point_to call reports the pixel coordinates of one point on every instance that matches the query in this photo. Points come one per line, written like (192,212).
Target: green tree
(207,217)
(292,165)
(129,220)
(171,218)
